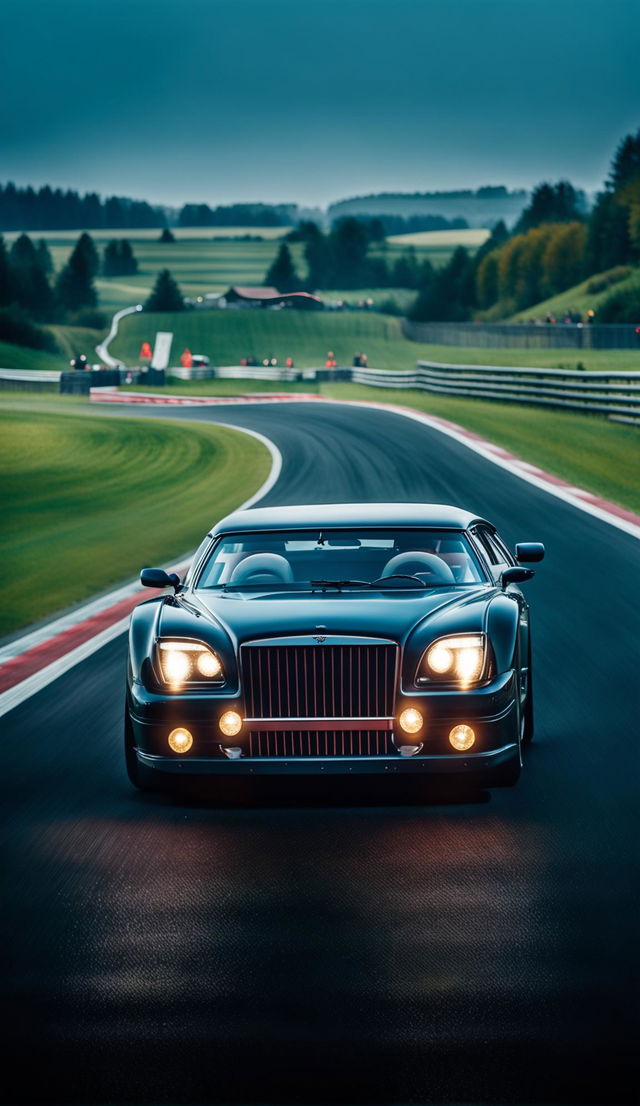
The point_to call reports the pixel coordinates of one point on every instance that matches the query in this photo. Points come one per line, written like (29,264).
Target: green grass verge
(227,336)
(87,501)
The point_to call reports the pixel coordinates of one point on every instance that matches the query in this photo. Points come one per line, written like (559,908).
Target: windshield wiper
(382,581)
(339,584)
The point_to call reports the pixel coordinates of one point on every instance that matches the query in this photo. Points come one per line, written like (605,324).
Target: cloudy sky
(223,100)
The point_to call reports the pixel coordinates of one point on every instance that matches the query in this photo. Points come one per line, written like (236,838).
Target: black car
(335,639)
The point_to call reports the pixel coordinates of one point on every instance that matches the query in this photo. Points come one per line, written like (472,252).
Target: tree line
(342,258)
(49,208)
(31,292)
(238,215)
(553,246)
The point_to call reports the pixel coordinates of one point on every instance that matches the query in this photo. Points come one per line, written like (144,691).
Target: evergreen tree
(625,166)
(119,258)
(282,274)
(74,287)
(167,236)
(349,242)
(317,255)
(45,261)
(166,294)
(30,286)
(6,283)
(128,263)
(450,295)
(87,247)
(406,271)
(111,258)
(551,203)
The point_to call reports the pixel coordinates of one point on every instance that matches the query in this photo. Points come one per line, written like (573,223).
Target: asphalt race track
(341,945)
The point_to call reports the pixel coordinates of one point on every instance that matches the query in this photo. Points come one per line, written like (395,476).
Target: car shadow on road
(332,792)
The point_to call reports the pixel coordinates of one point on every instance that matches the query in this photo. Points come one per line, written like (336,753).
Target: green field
(578,299)
(198,263)
(307,336)
(87,501)
(201,263)
(471,238)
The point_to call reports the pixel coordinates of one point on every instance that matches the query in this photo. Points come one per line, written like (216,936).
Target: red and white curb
(33,661)
(111,395)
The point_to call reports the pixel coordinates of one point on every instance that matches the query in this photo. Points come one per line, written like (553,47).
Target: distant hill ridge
(481,207)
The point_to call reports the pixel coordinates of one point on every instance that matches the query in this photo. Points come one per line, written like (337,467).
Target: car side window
(481,535)
(506,556)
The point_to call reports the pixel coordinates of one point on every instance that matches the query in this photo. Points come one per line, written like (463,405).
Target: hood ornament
(318,637)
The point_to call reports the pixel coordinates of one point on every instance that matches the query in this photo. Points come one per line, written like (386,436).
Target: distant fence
(31,380)
(259,372)
(526,335)
(616,394)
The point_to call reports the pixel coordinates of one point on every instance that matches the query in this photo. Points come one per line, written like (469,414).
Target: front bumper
(445,764)
(490,710)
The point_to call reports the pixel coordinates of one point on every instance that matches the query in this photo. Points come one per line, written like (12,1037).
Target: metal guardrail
(616,394)
(527,335)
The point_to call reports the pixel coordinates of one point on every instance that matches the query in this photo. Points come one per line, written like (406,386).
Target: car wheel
(139,776)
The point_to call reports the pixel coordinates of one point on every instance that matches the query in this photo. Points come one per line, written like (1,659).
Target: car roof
(374,515)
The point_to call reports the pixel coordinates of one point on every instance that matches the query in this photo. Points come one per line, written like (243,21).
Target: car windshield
(328,560)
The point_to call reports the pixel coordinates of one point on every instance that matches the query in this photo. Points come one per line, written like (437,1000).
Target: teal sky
(223,100)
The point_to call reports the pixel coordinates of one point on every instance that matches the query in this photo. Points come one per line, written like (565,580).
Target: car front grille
(320,743)
(318,681)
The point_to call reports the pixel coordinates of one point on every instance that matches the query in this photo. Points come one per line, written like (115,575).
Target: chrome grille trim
(320,743)
(337,680)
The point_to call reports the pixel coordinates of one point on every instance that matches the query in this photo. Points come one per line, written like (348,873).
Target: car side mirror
(515,575)
(158,578)
(530,551)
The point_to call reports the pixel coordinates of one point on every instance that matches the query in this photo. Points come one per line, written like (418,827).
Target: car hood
(255,615)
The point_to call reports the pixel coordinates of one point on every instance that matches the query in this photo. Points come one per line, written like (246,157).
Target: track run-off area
(341,943)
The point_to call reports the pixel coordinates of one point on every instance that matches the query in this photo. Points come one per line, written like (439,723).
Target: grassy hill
(227,336)
(578,298)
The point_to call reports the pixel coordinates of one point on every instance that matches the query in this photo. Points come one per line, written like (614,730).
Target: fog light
(411,720)
(462,738)
(180,740)
(230,723)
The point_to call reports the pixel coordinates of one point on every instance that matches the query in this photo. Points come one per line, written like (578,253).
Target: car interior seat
(262,568)
(427,566)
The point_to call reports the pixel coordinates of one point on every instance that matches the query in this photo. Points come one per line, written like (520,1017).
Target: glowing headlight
(188,662)
(459,659)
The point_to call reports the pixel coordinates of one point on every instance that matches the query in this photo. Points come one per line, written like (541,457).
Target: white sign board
(162,350)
